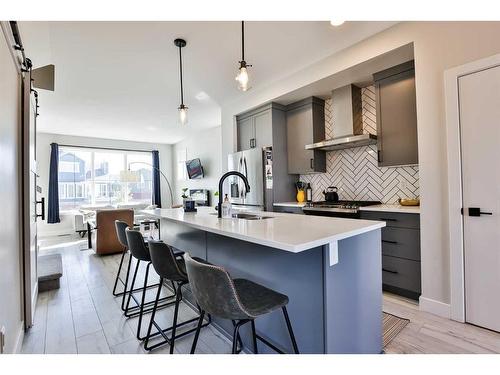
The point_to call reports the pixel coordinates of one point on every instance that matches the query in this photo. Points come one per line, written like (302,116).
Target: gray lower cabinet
(288,210)
(305,124)
(401,273)
(396,115)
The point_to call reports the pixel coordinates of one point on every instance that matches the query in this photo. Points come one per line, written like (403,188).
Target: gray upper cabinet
(255,129)
(396,115)
(265,127)
(305,123)
(246,133)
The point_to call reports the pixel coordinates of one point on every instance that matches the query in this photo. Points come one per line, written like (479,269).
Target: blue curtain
(53,209)
(156,179)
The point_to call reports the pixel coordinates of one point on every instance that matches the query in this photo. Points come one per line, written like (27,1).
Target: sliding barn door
(30,253)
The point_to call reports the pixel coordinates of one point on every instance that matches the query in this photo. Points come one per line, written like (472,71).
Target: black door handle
(311,163)
(390,271)
(476,211)
(391,242)
(42,202)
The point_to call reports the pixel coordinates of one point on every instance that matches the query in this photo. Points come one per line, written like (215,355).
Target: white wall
(43,159)
(205,145)
(438,46)
(11,308)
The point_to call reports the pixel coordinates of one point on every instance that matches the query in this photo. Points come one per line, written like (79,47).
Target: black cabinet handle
(379,156)
(42,202)
(387,219)
(312,163)
(390,271)
(476,211)
(391,242)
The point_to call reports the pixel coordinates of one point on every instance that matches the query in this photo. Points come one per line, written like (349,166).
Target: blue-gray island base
(333,309)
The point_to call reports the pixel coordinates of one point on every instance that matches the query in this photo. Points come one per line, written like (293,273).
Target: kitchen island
(330,268)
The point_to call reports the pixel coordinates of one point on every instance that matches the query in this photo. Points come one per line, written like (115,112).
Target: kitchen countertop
(293,233)
(392,208)
(378,207)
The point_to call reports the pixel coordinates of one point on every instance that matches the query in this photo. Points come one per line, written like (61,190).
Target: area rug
(391,326)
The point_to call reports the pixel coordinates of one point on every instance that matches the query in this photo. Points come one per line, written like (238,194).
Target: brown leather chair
(102,235)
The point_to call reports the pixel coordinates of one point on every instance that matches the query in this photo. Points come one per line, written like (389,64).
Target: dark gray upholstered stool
(240,300)
(121,226)
(169,266)
(140,252)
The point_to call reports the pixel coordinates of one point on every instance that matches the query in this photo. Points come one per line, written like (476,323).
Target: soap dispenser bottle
(226,208)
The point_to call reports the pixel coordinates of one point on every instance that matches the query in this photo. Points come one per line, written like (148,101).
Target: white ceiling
(120,80)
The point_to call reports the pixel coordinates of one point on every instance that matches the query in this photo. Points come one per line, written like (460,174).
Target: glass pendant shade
(242,78)
(183,115)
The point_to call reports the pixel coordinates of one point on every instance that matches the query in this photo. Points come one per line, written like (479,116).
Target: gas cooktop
(345,207)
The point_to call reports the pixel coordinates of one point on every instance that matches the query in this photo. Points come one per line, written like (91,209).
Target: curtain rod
(104,148)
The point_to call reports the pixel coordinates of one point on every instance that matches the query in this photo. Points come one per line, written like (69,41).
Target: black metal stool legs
(290,330)
(254,338)
(139,323)
(118,275)
(126,282)
(236,337)
(198,329)
(170,340)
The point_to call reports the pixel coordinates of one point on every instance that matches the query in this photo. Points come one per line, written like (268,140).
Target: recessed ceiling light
(151,128)
(336,22)
(202,95)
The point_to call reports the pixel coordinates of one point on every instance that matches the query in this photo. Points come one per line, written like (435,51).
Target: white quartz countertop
(392,208)
(290,232)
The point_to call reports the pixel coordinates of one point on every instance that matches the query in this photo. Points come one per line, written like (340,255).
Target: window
(97,177)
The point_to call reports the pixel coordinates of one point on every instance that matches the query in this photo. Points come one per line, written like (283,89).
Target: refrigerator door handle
(245,174)
(240,184)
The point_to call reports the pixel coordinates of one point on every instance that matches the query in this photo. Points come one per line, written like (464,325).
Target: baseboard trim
(435,307)
(20,338)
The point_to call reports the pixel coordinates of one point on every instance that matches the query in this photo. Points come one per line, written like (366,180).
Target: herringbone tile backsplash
(355,171)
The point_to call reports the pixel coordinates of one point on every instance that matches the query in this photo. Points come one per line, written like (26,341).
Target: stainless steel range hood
(347,121)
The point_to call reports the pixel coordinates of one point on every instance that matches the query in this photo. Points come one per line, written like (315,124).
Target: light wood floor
(83,316)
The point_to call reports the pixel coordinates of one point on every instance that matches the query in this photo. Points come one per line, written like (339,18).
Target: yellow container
(301,196)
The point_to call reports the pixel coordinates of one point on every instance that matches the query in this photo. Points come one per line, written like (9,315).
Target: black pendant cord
(242,40)
(180,67)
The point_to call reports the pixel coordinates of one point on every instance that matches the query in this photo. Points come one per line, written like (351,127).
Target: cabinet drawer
(393,219)
(401,243)
(289,210)
(401,273)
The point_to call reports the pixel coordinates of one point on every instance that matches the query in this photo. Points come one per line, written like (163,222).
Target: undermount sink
(250,216)
(246,216)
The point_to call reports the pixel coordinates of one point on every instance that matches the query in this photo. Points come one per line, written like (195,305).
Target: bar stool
(169,266)
(140,252)
(240,300)
(120,227)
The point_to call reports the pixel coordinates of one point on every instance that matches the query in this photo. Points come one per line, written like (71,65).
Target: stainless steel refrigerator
(252,164)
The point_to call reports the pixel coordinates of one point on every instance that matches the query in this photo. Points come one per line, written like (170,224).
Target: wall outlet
(2,339)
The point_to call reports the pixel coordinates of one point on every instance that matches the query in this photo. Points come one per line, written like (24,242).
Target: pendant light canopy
(182,108)
(242,76)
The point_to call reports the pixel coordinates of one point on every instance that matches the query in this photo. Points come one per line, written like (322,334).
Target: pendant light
(182,108)
(242,76)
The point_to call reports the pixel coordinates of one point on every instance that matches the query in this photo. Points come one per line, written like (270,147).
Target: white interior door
(479,102)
